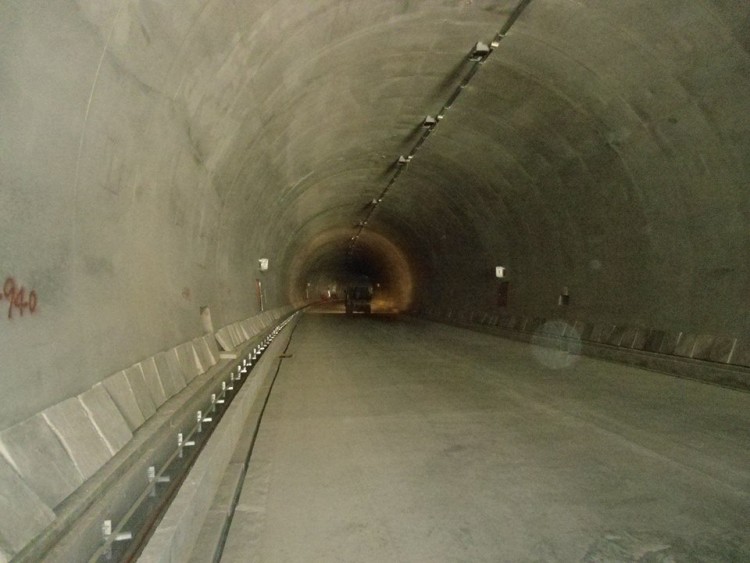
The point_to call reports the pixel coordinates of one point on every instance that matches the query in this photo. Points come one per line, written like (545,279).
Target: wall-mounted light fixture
(429,122)
(500,272)
(564,298)
(263,264)
(479,52)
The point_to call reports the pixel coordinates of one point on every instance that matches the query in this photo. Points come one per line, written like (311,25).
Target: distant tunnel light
(263,264)
(500,272)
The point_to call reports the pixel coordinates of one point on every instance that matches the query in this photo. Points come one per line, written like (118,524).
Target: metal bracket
(182,443)
(154,480)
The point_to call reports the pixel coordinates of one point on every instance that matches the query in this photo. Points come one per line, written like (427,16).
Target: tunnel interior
(154,152)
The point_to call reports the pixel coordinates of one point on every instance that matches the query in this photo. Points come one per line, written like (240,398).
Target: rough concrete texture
(35,452)
(78,434)
(410,441)
(22,514)
(153,381)
(107,417)
(122,394)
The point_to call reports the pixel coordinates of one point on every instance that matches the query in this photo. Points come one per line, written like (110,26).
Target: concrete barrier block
(22,513)
(247,327)
(224,339)
(232,336)
(119,389)
(598,332)
(534,324)
(741,355)
(204,354)
(685,345)
(669,342)
(639,342)
(241,334)
(237,336)
(615,335)
(654,340)
(38,456)
(213,346)
(209,343)
(140,390)
(169,382)
(628,337)
(188,361)
(176,369)
(721,349)
(106,417)
(82,440)
(702,346)
(153,382)
(583,329)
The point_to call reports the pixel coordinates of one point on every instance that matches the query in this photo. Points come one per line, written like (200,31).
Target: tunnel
(549,199)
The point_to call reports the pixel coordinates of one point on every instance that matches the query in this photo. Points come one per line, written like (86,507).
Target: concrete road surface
(401,440)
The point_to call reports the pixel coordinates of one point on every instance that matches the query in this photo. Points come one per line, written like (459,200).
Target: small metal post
(109,538)
(200,419)
(181,443)
(154,480)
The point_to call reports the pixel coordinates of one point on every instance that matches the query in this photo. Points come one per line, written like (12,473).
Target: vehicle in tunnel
(359,299)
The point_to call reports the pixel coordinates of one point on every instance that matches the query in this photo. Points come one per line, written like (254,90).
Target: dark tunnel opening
(324,268)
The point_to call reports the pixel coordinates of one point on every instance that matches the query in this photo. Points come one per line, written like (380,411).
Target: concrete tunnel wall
(152,152)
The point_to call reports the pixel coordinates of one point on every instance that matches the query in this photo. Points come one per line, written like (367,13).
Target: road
(392,439)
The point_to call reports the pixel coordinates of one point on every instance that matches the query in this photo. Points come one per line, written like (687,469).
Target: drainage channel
(219,551)
(125,541)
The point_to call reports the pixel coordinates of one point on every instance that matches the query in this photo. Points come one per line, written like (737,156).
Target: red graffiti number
(17,299)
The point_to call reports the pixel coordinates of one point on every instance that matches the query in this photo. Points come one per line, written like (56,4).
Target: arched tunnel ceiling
(154,150)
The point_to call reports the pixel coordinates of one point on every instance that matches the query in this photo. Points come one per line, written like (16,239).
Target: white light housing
(480,51)
(500,272)
(263,264)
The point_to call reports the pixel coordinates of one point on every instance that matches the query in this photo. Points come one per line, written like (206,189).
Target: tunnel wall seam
(719,359)
(45,458)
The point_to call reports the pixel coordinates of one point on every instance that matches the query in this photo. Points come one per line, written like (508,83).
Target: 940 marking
(18,300)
